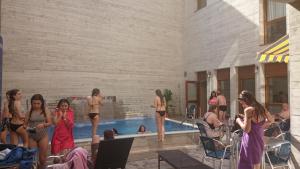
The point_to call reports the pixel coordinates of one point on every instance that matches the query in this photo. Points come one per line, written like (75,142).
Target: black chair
(215,149)
(113,154)
(279,155)
(201,127)
(190,114)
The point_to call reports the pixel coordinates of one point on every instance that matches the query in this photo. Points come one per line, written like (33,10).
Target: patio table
(180,160)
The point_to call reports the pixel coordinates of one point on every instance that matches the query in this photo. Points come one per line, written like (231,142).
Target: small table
(180,160)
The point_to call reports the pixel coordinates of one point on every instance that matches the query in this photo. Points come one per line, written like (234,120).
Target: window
(201,4)
(276,20)
(278,90)
(276,86)
(273,20)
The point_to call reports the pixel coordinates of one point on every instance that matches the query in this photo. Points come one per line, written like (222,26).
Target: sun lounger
(180,160)
(113,154)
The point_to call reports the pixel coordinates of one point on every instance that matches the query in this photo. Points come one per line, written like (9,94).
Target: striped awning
(276,52)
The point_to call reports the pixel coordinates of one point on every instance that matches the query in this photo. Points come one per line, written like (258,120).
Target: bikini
(161,113)
(210,125)
(14,127)
(91,114)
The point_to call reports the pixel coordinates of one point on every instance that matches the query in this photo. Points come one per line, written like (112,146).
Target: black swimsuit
(93,115)
(14,127)
(161,113)
(210,125)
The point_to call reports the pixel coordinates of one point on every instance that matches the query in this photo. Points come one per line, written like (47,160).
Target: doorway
(202,93)
(246,80)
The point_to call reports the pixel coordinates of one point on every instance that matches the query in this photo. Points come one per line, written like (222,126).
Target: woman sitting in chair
(283,117)
(213,122)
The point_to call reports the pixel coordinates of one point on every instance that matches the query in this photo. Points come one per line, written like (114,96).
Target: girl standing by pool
(18,117)
(62,139)
(252,145)
(160,114)
(213,99)
(5,119)
(95,103)
(38,122)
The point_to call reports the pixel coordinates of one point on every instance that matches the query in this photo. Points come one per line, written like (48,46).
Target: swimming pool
(127,127)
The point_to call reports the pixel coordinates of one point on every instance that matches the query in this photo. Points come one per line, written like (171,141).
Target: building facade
(223,42)
(130,48)
(293,25)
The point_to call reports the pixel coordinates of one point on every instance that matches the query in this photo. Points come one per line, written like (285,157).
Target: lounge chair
(113,154)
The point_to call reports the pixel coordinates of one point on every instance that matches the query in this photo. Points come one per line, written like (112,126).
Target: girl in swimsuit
(94,103)
(18,117)
(38,122)
(5,119)
(213,99)
(160,114)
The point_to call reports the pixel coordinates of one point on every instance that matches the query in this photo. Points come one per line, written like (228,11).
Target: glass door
(191,89)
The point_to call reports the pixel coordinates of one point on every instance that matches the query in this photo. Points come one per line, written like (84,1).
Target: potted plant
(168,96)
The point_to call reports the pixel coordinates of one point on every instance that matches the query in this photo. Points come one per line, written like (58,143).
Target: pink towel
(76,159)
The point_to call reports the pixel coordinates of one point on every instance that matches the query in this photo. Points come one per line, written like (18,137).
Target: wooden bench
(180,160)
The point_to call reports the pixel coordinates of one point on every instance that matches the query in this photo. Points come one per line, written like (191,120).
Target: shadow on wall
(231,37)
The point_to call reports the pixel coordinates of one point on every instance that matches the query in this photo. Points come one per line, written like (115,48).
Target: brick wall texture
(66,48)
(293,24)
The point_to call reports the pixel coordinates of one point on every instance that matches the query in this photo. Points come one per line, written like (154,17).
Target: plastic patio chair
(215,149)
(279,155)
(113,153)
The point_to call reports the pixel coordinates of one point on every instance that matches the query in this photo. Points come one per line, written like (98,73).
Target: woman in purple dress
(252,122)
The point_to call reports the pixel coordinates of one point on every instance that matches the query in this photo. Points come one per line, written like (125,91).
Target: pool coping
(148,134)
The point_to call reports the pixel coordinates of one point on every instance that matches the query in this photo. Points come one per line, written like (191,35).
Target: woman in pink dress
(62,139)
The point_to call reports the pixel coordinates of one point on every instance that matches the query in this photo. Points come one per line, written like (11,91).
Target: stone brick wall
(65,48)
(293,27)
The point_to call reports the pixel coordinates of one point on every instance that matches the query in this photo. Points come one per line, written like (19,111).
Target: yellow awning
(276,52)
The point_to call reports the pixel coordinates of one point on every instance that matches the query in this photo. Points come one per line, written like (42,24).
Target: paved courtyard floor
(148,160)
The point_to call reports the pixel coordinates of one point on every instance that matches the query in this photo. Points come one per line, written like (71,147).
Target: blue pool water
(124,127)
